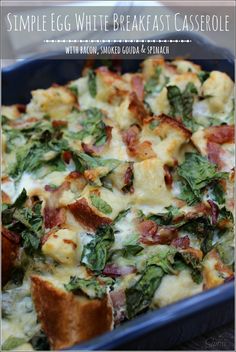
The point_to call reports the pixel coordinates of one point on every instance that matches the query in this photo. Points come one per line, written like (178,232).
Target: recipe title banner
(144,30)
(84,22)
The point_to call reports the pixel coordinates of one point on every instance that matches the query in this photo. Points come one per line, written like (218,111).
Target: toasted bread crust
(68,319)
(86,216)
(167,123)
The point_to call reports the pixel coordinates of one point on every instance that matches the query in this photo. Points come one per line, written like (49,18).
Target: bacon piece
(93,149)
(130,136)
(67,156)
(181,242)
(86,215)
(199,210)
(49,188)
(10,248)
(215,151)
(21,108)
(214,212)
(152,234)
(12,236)
(5,198)
(118,300)
(128,180)
(113,270)
(148,228)
(220,134)
(137,108)
(54,217)
(59,123)
(142,150)
(167,176)
(138,86)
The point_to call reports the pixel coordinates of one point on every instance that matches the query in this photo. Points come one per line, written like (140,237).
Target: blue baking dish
(178,322)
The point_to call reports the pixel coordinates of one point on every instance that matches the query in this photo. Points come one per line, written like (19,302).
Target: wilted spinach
(92,83)
(89,287)
(12,342)
(95,253)
(27,222)
(182,103)
(196,173)
(36,154)
(100,204)
(203,76)
(139,296)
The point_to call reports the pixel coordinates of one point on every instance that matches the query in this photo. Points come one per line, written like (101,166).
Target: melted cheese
(61,246)
(57,102)
(174,288)
(166,141)
(149,184)
(219,87)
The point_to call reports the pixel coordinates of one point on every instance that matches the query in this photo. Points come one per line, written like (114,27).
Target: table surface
(220,339)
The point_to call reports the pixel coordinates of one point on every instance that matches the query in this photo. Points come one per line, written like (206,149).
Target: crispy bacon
(118,300)
(137,108)
(198,210)
(21,108)
(113,270)
(12,236)
(167,176)
(152,234)
(5,198)
(130,136)
(128,180)
(214,212)
(58,190)
(54,217)
(181,242)
(148,228)
(138,86)
(215,151)
(220,134)
(93,149)
(141,150)
(59,123)
(86,215)
(67,156)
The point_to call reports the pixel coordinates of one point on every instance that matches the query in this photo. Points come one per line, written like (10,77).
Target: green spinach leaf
(95,253)
(100,204)
(197,172)
(89,287)
(203,76)
(92,83)
(12,342)
(139,296)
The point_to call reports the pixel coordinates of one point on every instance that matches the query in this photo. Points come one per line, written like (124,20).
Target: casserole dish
(185,312)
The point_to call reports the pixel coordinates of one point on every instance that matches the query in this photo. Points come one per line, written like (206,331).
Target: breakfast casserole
(117,198)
